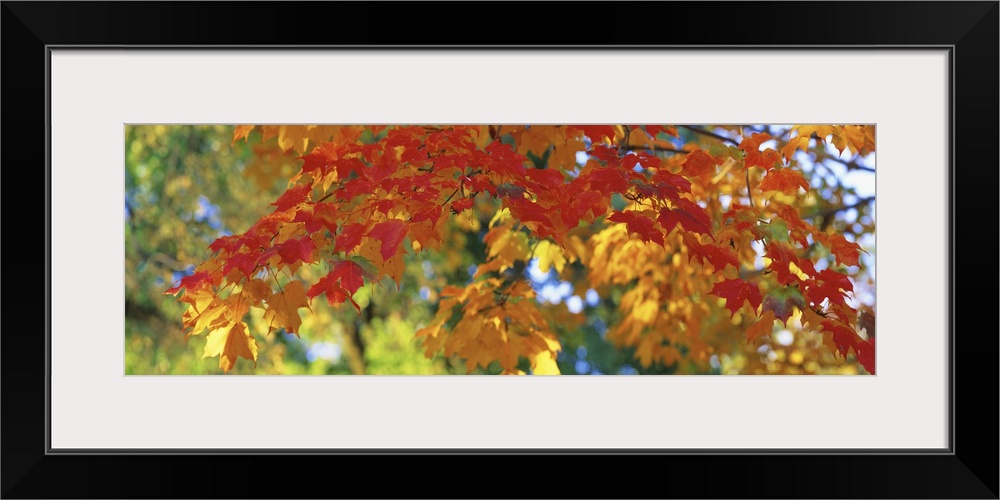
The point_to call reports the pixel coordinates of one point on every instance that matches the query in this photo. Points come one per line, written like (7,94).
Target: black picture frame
(968,31)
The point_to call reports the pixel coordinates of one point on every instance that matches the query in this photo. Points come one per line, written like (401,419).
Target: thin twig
(702,131)
(851,165)
(657,148)
(827,213)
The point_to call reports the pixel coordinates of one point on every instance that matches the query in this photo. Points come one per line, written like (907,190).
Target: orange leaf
(786,180)
(762,327)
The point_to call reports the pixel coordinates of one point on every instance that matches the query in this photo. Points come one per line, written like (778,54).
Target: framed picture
(914,84)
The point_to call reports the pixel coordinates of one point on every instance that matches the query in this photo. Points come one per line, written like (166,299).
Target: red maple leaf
(460,205)
(322,215)
(637,223)
(296,250)
(608,181)
(350,237)
(189,282)
(718,256)
(781,256)
(244,262)
(644,159)
(503,160)
(391,234)
(674,181)
(737,291)
(865,350)
(605,153)
(292,197)
(754,157)
(596,133)
(546,178)
(526,210)
(828,284)
(845,251)
(652,130)
(689,215)
(320,158)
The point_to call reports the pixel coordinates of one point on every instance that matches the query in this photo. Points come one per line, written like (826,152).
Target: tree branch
(833,211)
(704,132)
(851,165)
(657,148)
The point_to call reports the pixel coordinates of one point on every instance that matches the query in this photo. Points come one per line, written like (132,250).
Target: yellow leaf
(821,131)
(800,142)
(549,255)
(544,363)
(501,216)
(283,307)
(646,312)
(506,246)
(214,315)
(231,343)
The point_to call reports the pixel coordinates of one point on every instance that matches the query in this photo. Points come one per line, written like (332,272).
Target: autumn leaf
(596,133)
(608,181)
(242,132)
(652,130)
(544,363)
(256,291)
(282,307)
(800,142)
(460,205)
(865,351)
(699,164)
(736,292)
(391,234)
(783,301)
(689,215)
(342,282)
(783,259)
(321,215)
(762,327)
(350,237)
(718,255)
(639,224)
(756,158)
(785,180)
(292,197)
(828,284)
(191,281)
(231,343)
(846,252)
(549,256)
(296,250)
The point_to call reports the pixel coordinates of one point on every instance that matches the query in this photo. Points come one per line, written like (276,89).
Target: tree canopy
(512,249)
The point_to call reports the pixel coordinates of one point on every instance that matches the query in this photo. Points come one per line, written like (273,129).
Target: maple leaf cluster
(640,212)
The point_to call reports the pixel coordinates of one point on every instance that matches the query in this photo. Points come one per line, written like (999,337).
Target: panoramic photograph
(499,249)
